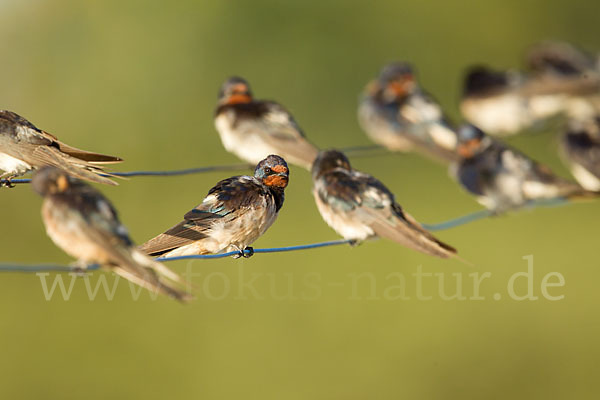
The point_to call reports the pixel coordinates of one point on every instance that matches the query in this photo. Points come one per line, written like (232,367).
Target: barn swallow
(503,178)
(82,222)
(561,59)
(581,148)
(23,147)
(396,113)
(235,213)
(504,103)
(561,67)
(358,207)
(252,129)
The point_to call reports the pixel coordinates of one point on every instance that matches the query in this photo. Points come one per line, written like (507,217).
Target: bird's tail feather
(78,168)
(152,283)
(91,157)
(159,268)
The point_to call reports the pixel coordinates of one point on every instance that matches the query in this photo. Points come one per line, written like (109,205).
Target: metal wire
(63,268)
(354,151)
(482,214)
(187,171)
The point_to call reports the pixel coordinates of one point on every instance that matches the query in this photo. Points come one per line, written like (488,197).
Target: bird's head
(471,140)
(235,90)
(329,160)
(397,80)
(273,171)
(480,79)
(51,180)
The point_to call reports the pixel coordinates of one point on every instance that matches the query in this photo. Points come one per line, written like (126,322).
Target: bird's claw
(354,242)
(7,183)
(248,252)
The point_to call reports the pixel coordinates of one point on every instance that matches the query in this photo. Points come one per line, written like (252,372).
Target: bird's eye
(268,170)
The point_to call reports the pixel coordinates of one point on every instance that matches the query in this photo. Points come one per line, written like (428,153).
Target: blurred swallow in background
(561,67)
(358,206)
(561,59)
(252,129)
(561,80)
(397,114)
(503,178)
(82,222)
(235,213)
(581,148)
(503,103)
(23,147)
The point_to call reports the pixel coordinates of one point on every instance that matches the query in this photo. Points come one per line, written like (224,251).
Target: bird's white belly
(547,105)
(585,178)
(342,223)
(13,165)
(247,145)
(505,114)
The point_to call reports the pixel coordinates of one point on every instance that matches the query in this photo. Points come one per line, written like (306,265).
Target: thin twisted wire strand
(482,214)
(462,220)
(64,268)
(354,151)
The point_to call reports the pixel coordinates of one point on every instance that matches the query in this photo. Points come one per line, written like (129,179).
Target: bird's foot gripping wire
(246,253)
(354,242)
(6,182)
(79,268)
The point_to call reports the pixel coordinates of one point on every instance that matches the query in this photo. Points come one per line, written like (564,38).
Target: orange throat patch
(276,180)
(238,99)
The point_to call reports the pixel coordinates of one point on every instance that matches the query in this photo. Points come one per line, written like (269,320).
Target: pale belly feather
(13,166)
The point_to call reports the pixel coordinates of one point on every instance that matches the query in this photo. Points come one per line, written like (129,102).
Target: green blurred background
(139,79)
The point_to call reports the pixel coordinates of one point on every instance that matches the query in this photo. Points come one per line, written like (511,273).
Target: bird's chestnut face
(400,87)
(397,80)
(273,171)
(235,91)
(470,141)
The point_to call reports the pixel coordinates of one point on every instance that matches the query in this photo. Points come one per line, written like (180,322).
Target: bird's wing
(366,199)
(279,129)
(403,229)
(91,157)
(19,130)
(387,219)
(40,156)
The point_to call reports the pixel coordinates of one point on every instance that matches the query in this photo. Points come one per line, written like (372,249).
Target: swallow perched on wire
(561,59)
(580,145)
(396,113)
(23,147)
(252,129)
(235,213)
(505,103)
(358,207)
(562,80)
(503,178)
(561,67)
(82,222)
